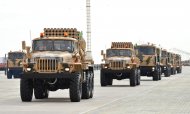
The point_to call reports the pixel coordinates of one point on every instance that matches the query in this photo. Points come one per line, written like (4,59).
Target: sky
(161,22)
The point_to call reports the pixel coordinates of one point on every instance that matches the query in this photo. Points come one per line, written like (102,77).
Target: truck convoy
(14,66)
(120,62)
(150,57)
(57,60)
(165,63)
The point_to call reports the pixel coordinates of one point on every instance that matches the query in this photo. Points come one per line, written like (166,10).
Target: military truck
(2,63)
(14,66)
(165,64)
(150,57)
(120,62)
(57,60)
(173,63)
(179,64)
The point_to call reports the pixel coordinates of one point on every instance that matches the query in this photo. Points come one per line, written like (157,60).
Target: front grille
(117,65)
(47,65)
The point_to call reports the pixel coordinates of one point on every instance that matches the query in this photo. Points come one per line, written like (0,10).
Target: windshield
(119,52)
(52,45)
(15,55)
(164,54)
(146,50)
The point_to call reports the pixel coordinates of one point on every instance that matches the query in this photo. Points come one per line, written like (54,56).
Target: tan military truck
(120,62)
(165,64)
(150,57)
(179,64)
(14,66)
(173,63)
(57,60)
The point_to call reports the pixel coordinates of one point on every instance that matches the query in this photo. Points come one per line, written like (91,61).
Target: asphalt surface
(171,95)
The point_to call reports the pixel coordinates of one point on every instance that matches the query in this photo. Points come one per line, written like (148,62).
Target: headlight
(128,67)
(105,67)
(67,69)
(153,68)
(28,69)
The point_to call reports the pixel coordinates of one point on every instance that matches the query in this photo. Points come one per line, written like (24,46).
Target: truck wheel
(75,89)
(92,85)
(86,87)
(26,89)
(40,91)
(138,77)
(180,70)
(109,81)
(159,75)
(156,76)
(166,73)
(133,77)
(103,80)
(169,72)
(9,75)
(174,71)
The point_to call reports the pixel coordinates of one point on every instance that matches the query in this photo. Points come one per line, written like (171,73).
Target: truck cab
(14,66)
(179,64)
(120,62)
(165,65)
(150,56)
(57,60)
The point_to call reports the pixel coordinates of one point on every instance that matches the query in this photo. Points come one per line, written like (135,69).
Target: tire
(109,81)
(133,77)
(40,92)
(138,77)
(166,73)
(26,90)
(180,71)
(86,87)
(92,85)
(174,71)
(169,72)
(75,89)
(9,75)
(156,76)
(159,74)
(103,81)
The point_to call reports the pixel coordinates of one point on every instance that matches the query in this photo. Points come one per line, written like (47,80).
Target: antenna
(30,36)
(88,53)
(88,25)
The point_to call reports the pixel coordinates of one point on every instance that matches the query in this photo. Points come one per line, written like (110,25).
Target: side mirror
(136,52)
(27,49)
(104,57)
(102,52)
(23,45)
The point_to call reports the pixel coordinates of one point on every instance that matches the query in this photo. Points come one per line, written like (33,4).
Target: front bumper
(116,71)
(31,75)
(147,70)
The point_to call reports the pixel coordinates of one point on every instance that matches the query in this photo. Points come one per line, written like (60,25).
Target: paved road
(171,95)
